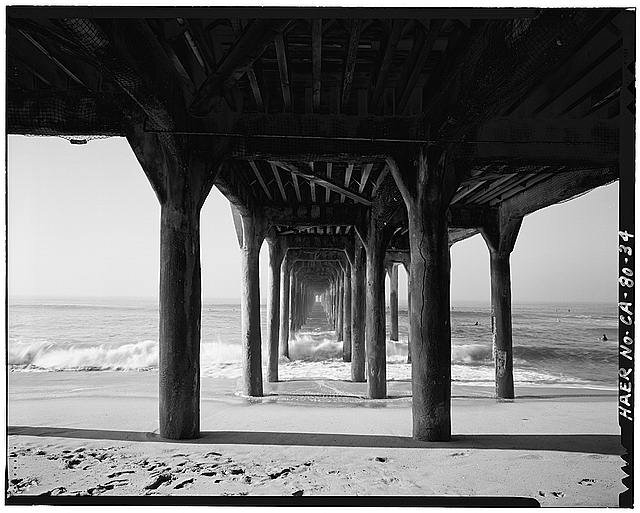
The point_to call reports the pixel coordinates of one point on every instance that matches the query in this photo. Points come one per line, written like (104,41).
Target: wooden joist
(52,58)
(385,65)
(260,179)
(465,191)
(365,176)
(248,47)
(521,186)
(496,193)
(350,62)
(296,186)
(380,178)
(276,175)
(489,188)
(283,69)
(415,64)
(255,89)
(329,171)
(316,59)
(324,182)
(347,179)
(312,185)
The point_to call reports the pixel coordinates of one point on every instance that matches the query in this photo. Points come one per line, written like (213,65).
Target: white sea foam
(311,355)
(51,356)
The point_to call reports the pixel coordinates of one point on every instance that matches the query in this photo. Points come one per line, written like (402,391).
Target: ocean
(554,344)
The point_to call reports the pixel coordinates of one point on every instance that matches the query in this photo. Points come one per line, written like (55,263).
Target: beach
(95,433)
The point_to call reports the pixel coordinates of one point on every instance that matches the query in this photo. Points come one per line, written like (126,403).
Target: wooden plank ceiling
(340,67)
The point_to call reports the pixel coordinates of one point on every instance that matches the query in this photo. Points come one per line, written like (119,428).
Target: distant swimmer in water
(476,324)
(604,338)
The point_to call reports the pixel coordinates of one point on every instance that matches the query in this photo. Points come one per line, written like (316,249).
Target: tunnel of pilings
(351,142)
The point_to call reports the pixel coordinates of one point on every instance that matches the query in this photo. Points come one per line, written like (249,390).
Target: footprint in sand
(116,474)
(155,483)
(73,463)
(184,483)
(56,491)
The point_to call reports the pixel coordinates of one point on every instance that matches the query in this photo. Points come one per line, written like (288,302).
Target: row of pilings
(426,186)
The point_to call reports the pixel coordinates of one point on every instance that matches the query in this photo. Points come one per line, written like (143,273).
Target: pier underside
(352,141)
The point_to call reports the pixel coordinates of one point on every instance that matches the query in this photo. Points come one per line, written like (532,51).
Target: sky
(83,221)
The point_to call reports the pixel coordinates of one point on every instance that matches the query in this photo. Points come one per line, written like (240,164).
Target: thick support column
(502,338)
(376,330)
(500,236)
(427,185)
(430,326)
(393,301)
(334,308)
(408,312)
(252,237)
(340,307)
(181,180)
(358,315)
(285,281)
(276,255)
(346,338)
(179,356)
(293,303)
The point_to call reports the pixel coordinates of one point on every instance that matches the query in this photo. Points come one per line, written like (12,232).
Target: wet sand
(95,433)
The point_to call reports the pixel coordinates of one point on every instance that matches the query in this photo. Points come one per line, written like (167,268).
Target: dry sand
(95,433)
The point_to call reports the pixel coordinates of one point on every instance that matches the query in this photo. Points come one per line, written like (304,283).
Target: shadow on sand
(586,443)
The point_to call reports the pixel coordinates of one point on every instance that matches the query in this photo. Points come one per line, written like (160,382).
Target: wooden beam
(276,174)
(52,58)
(490,185)
(198,40)
(520,186)
(350,62)
(305,216)
(547,142)
(312,242)
(316,59)
(365,176)
(20,50)
(416,63)
(464,192)
(251,75)
(312,185)
(494,70)
(295,171)
(172,61)
(385,65)
(260,179)
(577,65)
(296,186)
(255,89)
(283,69)
(347,179)
(381,177)
(249,47)
(500,187)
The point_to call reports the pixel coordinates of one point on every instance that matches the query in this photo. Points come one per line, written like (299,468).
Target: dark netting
(90,36)
(71,114)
